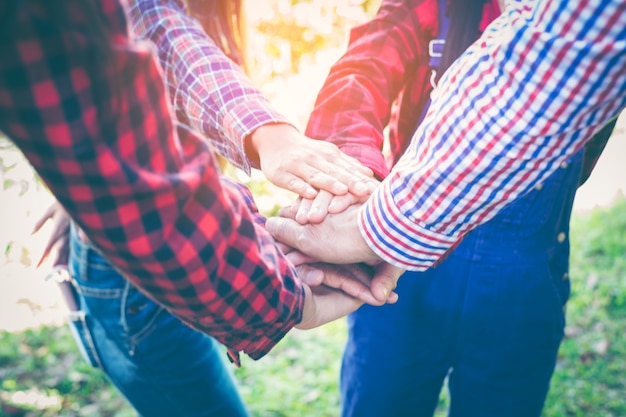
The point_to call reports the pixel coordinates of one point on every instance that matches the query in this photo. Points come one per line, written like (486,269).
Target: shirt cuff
(243,119)
(262,341)
(369,157)
(398,239)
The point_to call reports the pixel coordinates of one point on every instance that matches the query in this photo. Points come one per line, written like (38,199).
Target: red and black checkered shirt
(96,124)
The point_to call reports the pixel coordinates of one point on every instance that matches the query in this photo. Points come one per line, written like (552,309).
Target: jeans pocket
(139,314)
(84,339)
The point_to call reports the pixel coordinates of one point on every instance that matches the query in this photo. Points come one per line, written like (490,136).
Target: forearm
(515,106)
(212,92)
(354,105)
(101,136)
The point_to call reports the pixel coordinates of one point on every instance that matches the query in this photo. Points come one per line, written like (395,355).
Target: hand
(336,240)
(306,210)
(59,240)
(354,280)
(292,161)
(323,305)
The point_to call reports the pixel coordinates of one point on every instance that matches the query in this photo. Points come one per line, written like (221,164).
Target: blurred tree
(287,34)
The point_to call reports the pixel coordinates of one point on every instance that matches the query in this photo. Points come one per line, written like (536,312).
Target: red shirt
(97,125)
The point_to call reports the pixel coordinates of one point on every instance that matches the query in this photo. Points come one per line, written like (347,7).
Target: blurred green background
(291,46)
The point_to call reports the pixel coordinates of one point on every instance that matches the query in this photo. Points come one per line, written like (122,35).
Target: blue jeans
(490,317)
(162,366)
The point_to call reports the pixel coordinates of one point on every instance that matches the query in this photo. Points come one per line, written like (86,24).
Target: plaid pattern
(353,107)
(209,91)
(541,80)
(96,124)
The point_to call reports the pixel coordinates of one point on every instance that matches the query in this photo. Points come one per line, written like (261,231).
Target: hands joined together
(319,232)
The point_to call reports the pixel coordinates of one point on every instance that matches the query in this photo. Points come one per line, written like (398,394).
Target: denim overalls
(162,366)
(490,317)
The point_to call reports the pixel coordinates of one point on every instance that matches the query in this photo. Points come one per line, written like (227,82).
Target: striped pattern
(543,77)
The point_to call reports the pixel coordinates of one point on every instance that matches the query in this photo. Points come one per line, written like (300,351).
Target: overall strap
(459,22)
(464,17)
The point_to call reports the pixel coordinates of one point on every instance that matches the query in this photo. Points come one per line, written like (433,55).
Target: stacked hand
(322,232)
(331,187)
(333,291)
(329,184)
(294,162)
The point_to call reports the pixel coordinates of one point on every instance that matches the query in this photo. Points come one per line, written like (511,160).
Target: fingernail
(386,292)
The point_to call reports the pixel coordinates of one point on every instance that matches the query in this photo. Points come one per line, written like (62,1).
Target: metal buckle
(431,47)
(433,82)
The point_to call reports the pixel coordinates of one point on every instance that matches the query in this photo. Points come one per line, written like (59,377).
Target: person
(30,115)
(162,366)
(87,106)
(469,318)
(525,97)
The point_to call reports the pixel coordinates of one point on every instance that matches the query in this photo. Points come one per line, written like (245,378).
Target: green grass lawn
(42,374)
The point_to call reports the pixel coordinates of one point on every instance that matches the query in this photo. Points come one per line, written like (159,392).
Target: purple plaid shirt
(209,91)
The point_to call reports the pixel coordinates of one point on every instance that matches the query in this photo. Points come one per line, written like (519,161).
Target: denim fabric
(490,318)
(162,366)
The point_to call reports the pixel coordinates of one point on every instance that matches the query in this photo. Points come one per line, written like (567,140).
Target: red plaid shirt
(383,80)
(97,126)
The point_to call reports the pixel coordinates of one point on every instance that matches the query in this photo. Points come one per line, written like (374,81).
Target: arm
(213,95)
(354,105)
(210,90)
(514,107)
(518,103)
(94,121)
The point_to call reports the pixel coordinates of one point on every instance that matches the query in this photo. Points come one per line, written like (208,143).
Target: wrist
(308,310)
(268,136)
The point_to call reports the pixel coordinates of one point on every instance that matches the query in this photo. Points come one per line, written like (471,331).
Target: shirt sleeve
(95,122)
(208,89)
(541,80)
(354,105)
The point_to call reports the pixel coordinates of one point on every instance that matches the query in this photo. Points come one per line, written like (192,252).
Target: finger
(319,207)
(285,230)
(393,298)
(355,164)
(60,235)
(341,202)
(295,183)
(61,228)
(285,249)
(323,305)
(63,254)
(325,176)
(357,183)
(44,218)
(351,280)
(289,212)
(298,258)
(311,276)
(303,211)
(385,280)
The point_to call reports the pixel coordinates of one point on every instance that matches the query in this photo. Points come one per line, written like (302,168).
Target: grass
(42,374)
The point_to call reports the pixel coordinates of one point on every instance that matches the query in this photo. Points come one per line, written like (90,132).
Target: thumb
(385,280)
(284,230)
(311,276)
